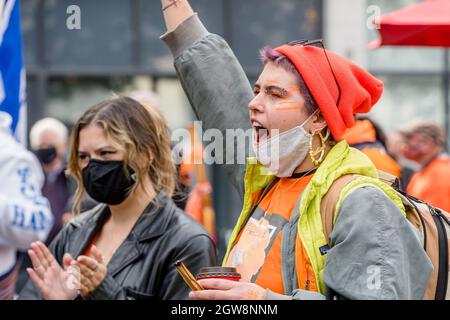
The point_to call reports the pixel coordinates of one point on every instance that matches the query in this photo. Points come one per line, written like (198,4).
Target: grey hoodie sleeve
(217,89)
(376,253)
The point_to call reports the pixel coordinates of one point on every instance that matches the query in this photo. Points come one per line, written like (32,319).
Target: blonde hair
(142,134)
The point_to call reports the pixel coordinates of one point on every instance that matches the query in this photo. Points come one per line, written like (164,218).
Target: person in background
(396,144)
(48,140)
(425,144)
(192,174)
(368,137)
(25,215)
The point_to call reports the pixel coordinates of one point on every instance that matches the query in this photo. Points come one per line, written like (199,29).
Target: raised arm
(213,81)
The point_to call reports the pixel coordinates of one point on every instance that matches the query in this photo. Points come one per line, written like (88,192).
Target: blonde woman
(126,247)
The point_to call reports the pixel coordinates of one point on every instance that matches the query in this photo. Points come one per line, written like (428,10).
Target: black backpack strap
(411,201)
(441,288)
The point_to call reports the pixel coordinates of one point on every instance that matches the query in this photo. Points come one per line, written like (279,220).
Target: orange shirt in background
(363,132)
(432,184)
(257,252)
(383,161)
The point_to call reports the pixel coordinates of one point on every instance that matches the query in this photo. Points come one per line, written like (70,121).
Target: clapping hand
(53,281)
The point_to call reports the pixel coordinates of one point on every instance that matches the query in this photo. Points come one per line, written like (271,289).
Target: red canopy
(424,24)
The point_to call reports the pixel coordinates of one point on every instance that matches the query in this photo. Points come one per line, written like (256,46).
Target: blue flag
(12,72)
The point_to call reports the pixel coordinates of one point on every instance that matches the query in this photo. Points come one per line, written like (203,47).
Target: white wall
(345,30)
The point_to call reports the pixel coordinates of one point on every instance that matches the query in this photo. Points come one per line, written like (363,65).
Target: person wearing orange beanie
(298,236)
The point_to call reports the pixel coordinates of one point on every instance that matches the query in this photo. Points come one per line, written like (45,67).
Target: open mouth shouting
(260,133)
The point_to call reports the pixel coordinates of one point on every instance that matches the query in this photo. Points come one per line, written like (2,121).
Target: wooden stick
(187,276)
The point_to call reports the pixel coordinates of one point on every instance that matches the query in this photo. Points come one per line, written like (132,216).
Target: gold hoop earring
(320,150)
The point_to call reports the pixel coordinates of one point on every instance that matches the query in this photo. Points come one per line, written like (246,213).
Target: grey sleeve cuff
(297,295)
(270,295)
(187,33)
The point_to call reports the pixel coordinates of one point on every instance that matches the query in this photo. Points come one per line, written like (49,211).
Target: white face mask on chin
(282,153)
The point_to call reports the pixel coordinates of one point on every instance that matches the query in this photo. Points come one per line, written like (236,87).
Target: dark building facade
(117,49)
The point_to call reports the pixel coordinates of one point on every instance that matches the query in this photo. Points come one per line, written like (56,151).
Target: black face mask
(46,155)
(106,181)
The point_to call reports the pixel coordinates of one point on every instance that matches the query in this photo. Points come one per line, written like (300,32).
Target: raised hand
(175,12)
(53,281)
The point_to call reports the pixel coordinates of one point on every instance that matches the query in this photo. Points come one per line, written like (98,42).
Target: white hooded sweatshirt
(25,215)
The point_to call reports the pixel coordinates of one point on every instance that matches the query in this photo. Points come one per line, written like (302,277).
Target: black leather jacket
(143,266)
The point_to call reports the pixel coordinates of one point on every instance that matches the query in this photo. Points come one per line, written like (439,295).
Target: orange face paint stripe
(288,108)
(288,102)
(293,88)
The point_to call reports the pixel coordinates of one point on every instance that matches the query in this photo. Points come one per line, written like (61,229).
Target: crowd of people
(107,222)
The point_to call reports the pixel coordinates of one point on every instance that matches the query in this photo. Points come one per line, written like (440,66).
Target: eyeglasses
(318,42)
